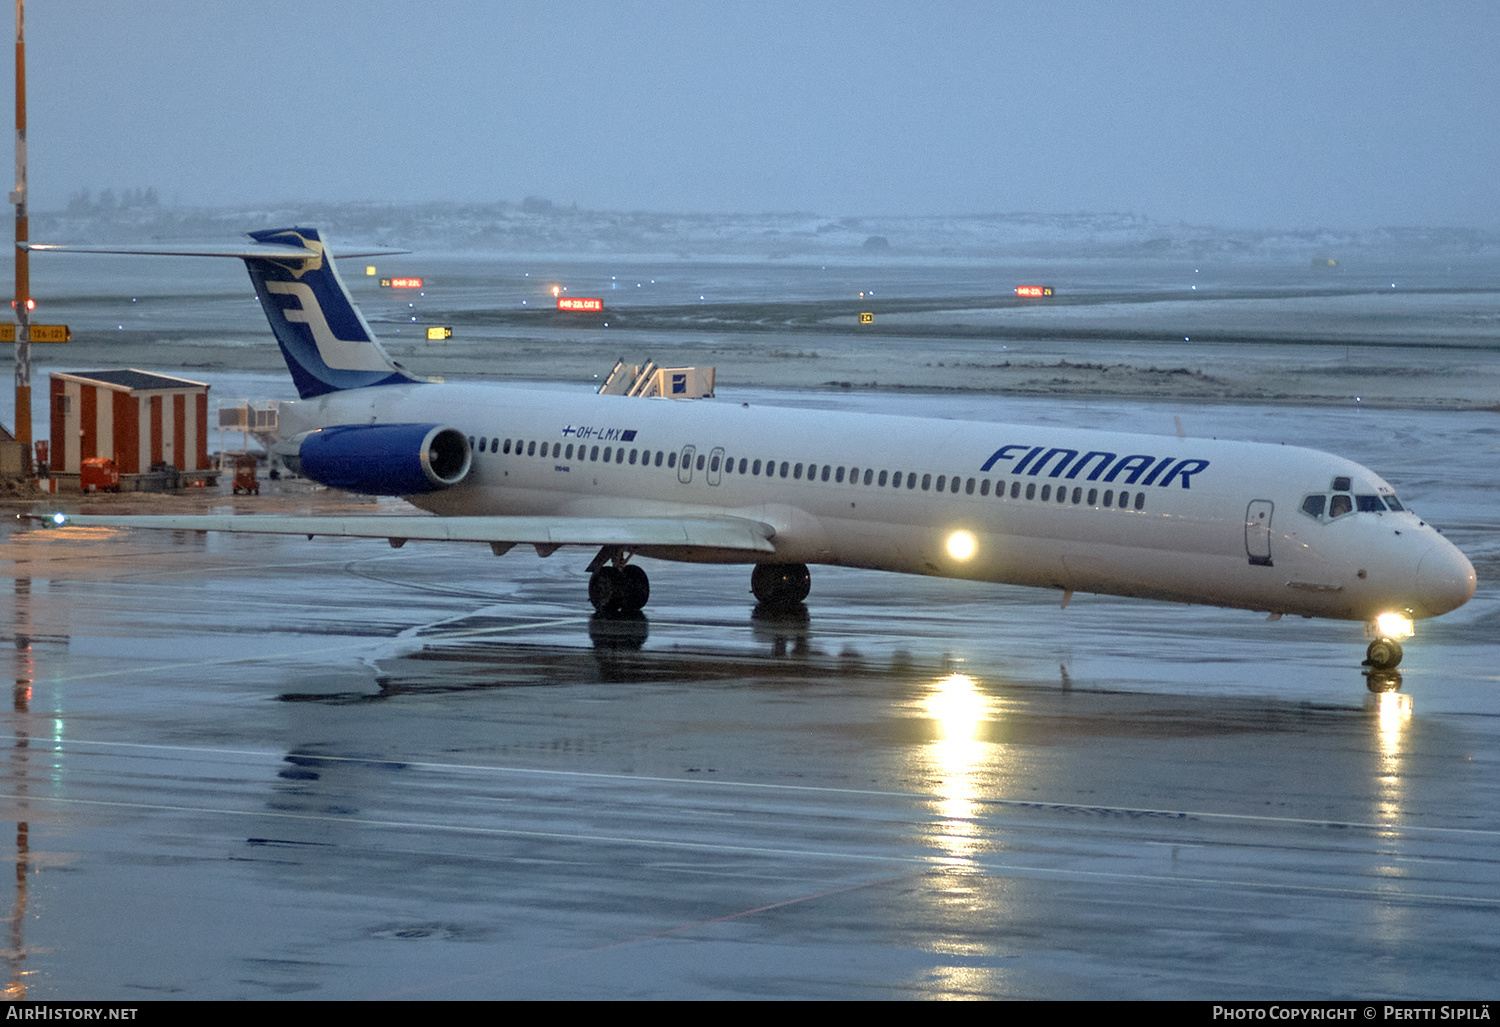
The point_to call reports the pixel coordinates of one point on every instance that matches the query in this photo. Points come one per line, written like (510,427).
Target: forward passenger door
(1258,531)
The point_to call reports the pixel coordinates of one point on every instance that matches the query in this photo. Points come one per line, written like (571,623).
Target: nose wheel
(1383,654)
(1382,658)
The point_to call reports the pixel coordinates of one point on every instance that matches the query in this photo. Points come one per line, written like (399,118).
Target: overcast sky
(1288,115)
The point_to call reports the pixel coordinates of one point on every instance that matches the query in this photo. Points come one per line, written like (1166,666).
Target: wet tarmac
(245,768)
(272,768)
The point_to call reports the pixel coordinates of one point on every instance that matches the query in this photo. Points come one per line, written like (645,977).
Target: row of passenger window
(815,472)
(561,451)
(943,483)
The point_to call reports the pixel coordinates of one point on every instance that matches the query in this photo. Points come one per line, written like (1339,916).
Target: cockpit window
(1341,484)
(1341,503)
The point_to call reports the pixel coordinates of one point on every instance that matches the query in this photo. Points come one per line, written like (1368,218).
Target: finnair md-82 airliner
(1276,529)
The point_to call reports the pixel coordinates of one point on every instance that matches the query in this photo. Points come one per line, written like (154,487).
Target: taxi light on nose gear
(1394,625)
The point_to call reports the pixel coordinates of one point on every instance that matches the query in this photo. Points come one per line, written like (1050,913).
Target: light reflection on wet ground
(334,770)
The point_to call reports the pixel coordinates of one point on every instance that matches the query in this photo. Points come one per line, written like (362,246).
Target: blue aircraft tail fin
(327,343)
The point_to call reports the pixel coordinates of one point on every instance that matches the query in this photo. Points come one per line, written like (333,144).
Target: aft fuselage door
(1258,531)
(715,463)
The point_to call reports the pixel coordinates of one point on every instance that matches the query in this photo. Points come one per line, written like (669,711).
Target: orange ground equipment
(245,481)
(99,474)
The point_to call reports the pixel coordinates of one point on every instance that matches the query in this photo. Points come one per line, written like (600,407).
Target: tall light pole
(23,266)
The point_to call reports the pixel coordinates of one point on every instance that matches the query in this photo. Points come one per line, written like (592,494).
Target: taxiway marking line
(504,832)
(563,957)
(1386,893)
(1028,804)
(444,636)
(727,917)
(228,661)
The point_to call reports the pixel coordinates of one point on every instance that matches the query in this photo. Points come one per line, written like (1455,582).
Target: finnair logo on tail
(298,268)
(340,354)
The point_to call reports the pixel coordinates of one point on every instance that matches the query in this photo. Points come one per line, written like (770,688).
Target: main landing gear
(619,589)
(780,584)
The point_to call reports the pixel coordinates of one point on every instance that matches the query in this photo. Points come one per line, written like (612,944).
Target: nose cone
(1445,579)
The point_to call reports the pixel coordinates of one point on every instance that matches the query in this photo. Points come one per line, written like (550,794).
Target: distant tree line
(83,201)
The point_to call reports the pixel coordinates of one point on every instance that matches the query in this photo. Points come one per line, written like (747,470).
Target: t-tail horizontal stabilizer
(327,343)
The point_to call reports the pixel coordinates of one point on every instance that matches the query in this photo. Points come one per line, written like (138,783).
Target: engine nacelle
(384,459)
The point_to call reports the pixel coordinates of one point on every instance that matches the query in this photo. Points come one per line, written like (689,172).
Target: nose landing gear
(1383,657)
(1383,654)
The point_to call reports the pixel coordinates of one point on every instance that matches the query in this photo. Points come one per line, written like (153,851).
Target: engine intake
(385,459)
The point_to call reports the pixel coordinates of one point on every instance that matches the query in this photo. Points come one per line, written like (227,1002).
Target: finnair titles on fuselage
(1278,529)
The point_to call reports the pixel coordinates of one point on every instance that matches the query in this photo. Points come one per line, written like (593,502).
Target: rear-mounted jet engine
(383,459)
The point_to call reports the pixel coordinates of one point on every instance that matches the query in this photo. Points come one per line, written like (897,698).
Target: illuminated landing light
(961,545)
(1394,625)
(59,519)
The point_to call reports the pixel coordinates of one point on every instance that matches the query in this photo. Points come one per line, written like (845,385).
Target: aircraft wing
(736,533)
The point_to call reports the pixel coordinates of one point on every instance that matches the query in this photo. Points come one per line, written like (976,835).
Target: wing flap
(735,533)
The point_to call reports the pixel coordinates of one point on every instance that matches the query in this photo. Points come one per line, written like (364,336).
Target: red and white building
(134,417)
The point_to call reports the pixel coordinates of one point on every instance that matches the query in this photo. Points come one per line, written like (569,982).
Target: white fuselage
(1202,521)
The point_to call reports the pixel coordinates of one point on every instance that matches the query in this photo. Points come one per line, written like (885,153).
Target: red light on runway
(579,303)
(1033,290)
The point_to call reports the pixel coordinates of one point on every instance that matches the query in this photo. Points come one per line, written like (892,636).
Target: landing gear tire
(637,588)
(780,584)
(1384,654)
(606,588)
(619,590)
